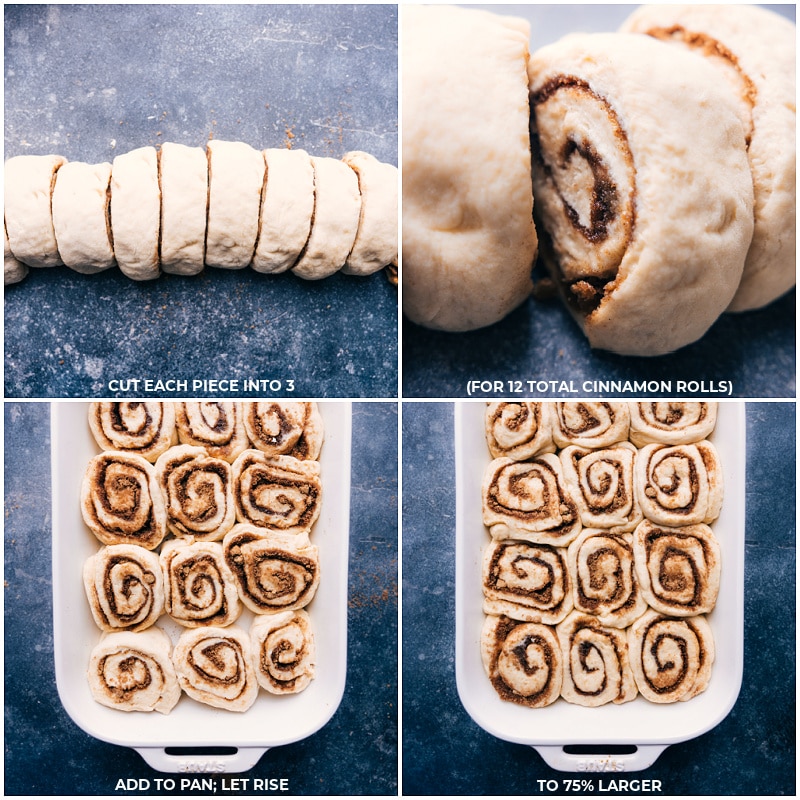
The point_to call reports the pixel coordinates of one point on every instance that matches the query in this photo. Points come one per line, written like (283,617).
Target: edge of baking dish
(644,727)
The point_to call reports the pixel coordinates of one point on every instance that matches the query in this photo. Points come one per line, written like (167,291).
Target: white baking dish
(649,727)
(272,720)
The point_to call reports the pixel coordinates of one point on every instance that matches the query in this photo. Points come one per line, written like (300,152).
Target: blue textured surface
(355,753)
(751,752)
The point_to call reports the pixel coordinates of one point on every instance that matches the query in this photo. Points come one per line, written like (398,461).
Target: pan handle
(243,759)
(556,757)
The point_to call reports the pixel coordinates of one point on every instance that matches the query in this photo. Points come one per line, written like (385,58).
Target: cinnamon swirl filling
(279,428)
(519,430)
(216,426)
(283,651)
(590,424)
(145,429)
(672,422)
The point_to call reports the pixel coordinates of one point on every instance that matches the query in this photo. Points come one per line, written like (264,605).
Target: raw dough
(13,271)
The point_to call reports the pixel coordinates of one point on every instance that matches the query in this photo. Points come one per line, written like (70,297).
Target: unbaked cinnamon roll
(199,588)
(603,577)
(519,430)
(590,424)
(671,659)
(280,493)
(283,651)
(214,667)
(528,582)
(679,485)
(124,587)
(146,429)
(290,429)
(672,422)
(523,661)
(274,572)
(596,666)
(218,427)
(197,491)
(121,502)
(133,672)
(678,568)
(602,483)
(529,500)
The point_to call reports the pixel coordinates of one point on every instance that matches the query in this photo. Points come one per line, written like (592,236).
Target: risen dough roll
(285,429)
(642,184)
(337,205)
(184,198)
(468,237)
(283,651)
(13,271)
(144,429)
(286,210)
(753,50)
(81,216)
(519,430)
(27,187)
(672,422)
(216,426)
(135,212)
(235,180)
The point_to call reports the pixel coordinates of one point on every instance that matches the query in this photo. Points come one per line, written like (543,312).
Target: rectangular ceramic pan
(272,720)
(647,726)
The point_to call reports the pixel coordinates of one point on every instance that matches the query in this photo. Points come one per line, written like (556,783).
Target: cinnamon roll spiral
(124,587)
(672,422)
(145,429)
(671,659)
(121,501)
(602,483)
(273,572)
(217,427)
(199,588)
(197,491)
(604,580)
(678,568)
(523,661)
(276,428)
(679,485)
(530,501)
(283,651)
(596,666)
(590,424)
(279,493)
(134,672)
(214,667)
(519,430)
(528,582)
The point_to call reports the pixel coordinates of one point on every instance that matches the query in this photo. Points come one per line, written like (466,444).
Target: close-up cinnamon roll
(671,659)
(672,422)
(134,672)
(602,483)
(285,429)
(278,493)
(218,427)
(603,576)
(679,485)
(121,501)
(145,429)
(644,202)
(678,568)
(529,501)
(198,493)
(596,666)
(528,582)
(523,661)
(274,572)
(283,651)
(124,587)
(519,430)
(199,588)
(214,667)
(590,424)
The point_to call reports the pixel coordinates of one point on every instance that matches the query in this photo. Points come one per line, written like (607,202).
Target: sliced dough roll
(216,426)
(519,430)
(281,428)
(469,242)
(283,651)
(753,51)
(135,213)
(646,198)
(81,216)
(286,210)
(590,424)
(13,271)
(142,428)
(672,422)
(235,181)
(184,201)
(337,205)
(28,183)
(376,240)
